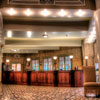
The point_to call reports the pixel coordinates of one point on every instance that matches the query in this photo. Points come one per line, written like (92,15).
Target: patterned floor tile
(24,92)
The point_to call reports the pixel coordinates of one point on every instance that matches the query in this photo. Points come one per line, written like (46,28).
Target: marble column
(88,50)
(97,23)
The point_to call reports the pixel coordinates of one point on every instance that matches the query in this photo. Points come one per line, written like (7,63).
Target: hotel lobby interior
(49,49)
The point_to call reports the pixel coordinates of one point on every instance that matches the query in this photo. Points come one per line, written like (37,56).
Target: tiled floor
(24,92)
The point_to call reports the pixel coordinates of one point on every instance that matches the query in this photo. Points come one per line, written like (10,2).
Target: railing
(48,2)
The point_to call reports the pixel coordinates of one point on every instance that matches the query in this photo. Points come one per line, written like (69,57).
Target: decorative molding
(16,56)
(48,2)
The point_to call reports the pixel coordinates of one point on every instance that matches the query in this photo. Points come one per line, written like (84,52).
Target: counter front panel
(44,78)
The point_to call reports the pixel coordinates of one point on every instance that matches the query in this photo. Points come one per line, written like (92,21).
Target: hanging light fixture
(45,35)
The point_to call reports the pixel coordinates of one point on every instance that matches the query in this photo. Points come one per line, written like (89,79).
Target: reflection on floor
(23,92)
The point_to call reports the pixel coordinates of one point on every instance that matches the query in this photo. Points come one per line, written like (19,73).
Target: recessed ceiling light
(66,35)
(45,35)
(28,12)
(9,34)
(62,13)
(69,16)
(14,50)
(11,11)
(80,13)
(45,12)
(29,34)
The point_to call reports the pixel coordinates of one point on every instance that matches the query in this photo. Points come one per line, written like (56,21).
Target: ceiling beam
(44,42)
(30,47)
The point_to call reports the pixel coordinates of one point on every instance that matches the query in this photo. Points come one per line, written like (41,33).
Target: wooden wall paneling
(24,78)
(75,51)
(34,78)
(11,77)
(3,77)
(39,78)
(43,78)
(50,78)
(64,78)
(18,77)
(78,76)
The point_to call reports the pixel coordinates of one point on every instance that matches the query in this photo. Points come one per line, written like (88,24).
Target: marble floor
(24,92)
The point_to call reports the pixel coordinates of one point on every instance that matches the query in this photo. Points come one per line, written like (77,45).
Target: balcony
(48,2)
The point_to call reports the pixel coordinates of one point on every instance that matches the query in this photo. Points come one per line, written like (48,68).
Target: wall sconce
(86,58)
(55,57)
(28,59)
(71,56)
(7,60)
(98,57)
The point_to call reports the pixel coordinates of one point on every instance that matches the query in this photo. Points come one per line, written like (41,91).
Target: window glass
(35,65)
(48,64)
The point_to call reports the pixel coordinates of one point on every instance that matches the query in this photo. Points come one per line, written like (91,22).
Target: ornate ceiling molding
(48,2)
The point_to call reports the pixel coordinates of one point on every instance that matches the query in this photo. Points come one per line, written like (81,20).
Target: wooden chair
(90,84)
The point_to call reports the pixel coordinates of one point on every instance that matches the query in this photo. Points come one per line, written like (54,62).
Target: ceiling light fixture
(29,34)
(69,16)
(9,34)
(14,50)
(80,13)
(62,13)
(28,12)
(45,35)
(45,12)
(11,11)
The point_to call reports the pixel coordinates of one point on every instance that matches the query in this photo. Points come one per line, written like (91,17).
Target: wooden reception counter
(44,78)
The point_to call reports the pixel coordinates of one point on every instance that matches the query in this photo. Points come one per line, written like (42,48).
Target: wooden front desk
(44,78)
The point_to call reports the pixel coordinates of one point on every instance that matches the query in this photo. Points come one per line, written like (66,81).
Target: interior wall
(75,51)
(90,50)
(96,56)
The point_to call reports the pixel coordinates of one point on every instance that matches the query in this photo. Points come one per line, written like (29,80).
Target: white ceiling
(64,38)
(65,13)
